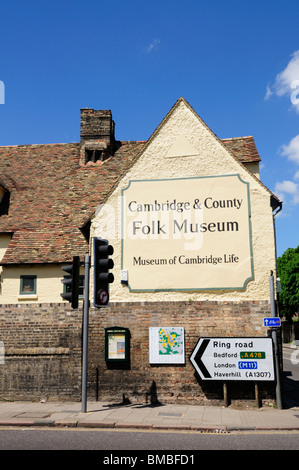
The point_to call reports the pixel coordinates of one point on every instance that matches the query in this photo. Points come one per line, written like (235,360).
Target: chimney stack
(97,135)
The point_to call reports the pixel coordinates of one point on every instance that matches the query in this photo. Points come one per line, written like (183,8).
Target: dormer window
(4,201)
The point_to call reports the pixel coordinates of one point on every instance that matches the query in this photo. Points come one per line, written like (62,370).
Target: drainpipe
(274,215)
(275,244)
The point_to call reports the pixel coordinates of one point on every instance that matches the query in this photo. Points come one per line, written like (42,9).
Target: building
(194,243)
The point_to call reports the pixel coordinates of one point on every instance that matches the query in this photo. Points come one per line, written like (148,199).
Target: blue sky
(236,62)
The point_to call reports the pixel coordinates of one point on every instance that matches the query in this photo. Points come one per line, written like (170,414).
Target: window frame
(28,276)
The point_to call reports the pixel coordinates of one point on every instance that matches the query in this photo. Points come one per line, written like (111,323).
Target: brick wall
(97,124)
(43,351)
(143,382)
(42,344)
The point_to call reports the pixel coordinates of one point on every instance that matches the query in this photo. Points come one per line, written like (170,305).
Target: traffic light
(102,276)
(71,293)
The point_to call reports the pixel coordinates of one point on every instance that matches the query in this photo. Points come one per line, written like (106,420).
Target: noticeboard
(117,345)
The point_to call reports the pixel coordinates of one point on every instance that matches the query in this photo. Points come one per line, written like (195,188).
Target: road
(116,443)
(290,377)
(107,440)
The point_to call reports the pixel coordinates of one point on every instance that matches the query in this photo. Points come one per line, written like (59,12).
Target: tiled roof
(243,148)
(52,196)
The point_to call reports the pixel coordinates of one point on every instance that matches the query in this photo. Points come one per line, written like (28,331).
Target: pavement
(98,414)
(147,417)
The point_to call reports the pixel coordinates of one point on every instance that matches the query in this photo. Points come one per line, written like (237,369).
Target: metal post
(225,394)
(257,396)
(275,342)
(85,335)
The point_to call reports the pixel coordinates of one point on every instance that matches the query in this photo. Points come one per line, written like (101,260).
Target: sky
(235,61)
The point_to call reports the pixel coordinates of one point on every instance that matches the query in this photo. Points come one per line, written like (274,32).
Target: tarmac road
(127,442)
(290,377)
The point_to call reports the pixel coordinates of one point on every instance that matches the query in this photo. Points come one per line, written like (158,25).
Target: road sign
(234,359)
(272,321)
(103,297)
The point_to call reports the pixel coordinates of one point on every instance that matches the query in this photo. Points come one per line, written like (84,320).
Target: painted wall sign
(187,233)
(166,345)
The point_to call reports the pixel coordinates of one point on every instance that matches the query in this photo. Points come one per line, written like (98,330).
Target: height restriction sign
(234,359)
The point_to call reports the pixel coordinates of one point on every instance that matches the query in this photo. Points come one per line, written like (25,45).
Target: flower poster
(166,345)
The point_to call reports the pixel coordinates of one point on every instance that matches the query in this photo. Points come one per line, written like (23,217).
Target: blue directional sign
(272,321)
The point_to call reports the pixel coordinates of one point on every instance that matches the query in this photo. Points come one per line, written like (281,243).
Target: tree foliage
(288,272)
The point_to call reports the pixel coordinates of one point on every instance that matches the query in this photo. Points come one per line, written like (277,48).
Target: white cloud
(291,150)
(153,45)
(287,82)
(269,92)
(287,187)
(285,78)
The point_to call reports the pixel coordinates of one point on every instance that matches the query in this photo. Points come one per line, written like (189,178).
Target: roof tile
(52,196)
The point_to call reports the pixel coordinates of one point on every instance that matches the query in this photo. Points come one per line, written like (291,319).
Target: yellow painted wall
(4,241)
(183,147)
(49,285)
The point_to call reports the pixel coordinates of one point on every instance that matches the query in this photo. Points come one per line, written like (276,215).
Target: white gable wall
(199,153)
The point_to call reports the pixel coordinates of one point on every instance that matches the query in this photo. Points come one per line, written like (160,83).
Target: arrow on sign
(196,358)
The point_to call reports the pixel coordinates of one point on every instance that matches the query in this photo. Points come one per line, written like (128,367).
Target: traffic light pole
(85,334)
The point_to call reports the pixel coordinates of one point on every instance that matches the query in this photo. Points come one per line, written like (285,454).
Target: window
(81,286)
(27,285)
(4,201)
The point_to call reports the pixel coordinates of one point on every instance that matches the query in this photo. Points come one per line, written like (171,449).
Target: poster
(166,345)
(116,345)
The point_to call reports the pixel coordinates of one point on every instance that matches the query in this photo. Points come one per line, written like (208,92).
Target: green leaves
(288,272)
